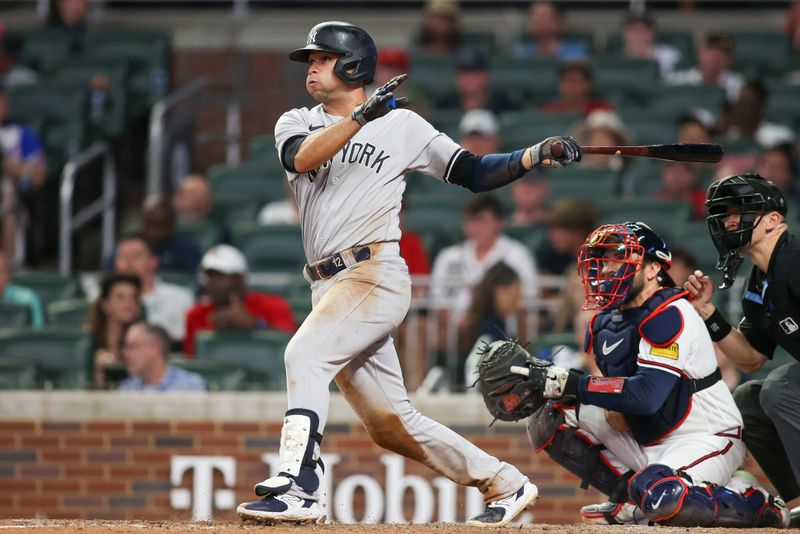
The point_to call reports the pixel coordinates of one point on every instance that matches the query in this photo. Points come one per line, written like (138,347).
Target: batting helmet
(359,54)
(749,195)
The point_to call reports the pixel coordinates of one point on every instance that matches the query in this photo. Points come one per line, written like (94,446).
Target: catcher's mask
(611,257)
(749,196)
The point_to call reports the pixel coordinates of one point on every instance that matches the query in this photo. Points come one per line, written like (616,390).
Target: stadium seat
(583,182)
(761,52)
(220,375)
(260,353)
(16,373)
(50,287)
(14,315)
(481,40)
(662,217)
(63,357)
(438,228)
(677,99)
(204,234)
(255,180)
(275,248)
(522,129)
(263,147)
(615,69)
(72,313)
(693,236)
(524,77)
(301,306)
(44,48)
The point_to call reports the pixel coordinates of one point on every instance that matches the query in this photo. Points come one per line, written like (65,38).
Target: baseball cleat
(613,513)
(282,509)
(502,511)
(794,518)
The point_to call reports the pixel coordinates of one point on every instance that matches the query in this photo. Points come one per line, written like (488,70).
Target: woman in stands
(118,306)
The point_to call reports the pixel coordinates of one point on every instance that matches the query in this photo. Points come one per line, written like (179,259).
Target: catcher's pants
(347,336)
(706,458)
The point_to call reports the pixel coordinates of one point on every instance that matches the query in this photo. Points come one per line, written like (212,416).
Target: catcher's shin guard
(568,448)
(669,499)
(299,465)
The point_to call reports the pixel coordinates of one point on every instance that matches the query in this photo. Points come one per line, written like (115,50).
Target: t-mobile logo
(200,498)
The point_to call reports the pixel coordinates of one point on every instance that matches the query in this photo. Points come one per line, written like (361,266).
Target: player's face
(321,81)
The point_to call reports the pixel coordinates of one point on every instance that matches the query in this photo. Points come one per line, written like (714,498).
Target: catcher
(659,432)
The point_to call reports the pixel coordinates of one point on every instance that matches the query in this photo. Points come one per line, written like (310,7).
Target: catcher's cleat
(502,511)
(794,518)
(282,509)
(613,513)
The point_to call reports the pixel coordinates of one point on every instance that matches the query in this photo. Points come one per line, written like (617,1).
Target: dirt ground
(124,527)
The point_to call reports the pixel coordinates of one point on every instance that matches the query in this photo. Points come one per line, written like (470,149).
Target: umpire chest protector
(614,337)
(774,299)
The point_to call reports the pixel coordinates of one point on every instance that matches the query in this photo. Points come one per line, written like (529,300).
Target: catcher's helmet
(624,247)
(748,195)
(359,54)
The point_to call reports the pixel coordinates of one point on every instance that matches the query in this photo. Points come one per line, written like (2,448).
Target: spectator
(166,304)
(780,165)
(567,224)
(175,253)
(529,195)
(281,211)
(117,307)
(497,297)
(16,294)
(639,36)
(230,306)
(602,128)
(680,182)
(394,61)
(743,118)
(472,85)
(24,169)
(696,126)
(714,61)
(480,132)
(459,267)
(544,29)
(192,200)
(70,16)
(13,74)
(145,352)
(440,34)
(575,90)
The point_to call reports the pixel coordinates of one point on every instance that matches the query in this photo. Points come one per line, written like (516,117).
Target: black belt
(328,267)
(706,382)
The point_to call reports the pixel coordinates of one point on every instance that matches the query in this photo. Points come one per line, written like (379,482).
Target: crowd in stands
(484,264)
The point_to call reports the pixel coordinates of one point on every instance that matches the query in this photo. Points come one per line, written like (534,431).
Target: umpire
(747,217)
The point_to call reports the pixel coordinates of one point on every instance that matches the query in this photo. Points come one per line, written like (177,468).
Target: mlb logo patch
(789,325)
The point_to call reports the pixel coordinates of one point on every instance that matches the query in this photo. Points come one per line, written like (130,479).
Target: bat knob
(557,150)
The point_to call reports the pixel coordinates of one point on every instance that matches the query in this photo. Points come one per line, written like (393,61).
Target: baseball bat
(698,152)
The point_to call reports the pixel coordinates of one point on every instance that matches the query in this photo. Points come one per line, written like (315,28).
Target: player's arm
(736,346)
(485,173)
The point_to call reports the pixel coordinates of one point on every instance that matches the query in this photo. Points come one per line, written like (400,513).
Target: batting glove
(542,154)
(381,102)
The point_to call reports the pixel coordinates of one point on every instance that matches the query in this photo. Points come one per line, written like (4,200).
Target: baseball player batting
(345,160)
(659,432)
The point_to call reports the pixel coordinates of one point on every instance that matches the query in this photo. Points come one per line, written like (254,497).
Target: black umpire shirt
(771,303)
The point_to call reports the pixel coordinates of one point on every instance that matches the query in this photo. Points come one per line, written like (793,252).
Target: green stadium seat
(255,180)
(446,121)
(188,281)
(301,306)
(260,353)
(481,40)
(72,313)
(438,228)
(584,182)
(204,234)
(220,375)
(693,236)
(228,212)
(534,79)
(615,69)
(263,147)
(521,129)
(16,373)
(662,217)
(675,100)
(63,357)
(50,287)
(275,248)
(761,52)
(530,236)
(79,71)
(147,52)
(44,48)
(14,315)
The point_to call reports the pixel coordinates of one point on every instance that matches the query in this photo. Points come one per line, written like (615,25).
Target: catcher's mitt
(511,382)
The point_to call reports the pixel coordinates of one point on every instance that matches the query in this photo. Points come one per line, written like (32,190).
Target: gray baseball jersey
(355,197)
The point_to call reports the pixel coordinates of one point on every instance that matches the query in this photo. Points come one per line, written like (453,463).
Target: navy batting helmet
(359,54)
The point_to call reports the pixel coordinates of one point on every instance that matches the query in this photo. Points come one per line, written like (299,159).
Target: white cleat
(282,509)
(613,513)
(503,511)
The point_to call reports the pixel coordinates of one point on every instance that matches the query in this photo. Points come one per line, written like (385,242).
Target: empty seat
(220,375)
(16,373)
(50,287)
(255,180)
(662,217)
(72,313)
(271,248)
(44,48)
(260,353)
(675,100)
(14,315)
(204,234)
(63,357)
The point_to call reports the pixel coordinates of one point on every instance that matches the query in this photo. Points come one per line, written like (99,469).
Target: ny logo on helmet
(789,325)
(312,37)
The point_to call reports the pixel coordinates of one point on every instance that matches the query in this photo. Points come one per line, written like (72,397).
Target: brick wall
(98,464)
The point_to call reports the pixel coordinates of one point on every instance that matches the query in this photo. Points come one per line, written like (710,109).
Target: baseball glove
(511,382)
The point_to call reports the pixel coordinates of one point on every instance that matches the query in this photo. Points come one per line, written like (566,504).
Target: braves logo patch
(670,352)
(789,325)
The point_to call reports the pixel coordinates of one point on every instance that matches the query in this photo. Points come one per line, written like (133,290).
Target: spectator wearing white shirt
(165,304)
(639,36)
(714,61)
(458,268)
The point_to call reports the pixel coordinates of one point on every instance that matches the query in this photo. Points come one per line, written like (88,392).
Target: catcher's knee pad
(579,456)
(668,499)
(300,465)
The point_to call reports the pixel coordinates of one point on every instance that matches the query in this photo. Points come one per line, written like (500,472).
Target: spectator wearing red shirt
(230,306)
(575,90)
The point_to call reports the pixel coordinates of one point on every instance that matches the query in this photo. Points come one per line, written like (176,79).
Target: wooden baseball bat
(698,152)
